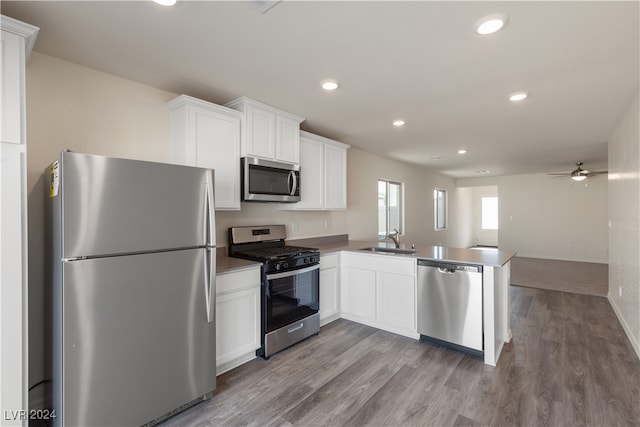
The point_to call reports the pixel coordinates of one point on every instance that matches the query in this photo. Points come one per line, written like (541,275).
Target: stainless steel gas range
(290,285)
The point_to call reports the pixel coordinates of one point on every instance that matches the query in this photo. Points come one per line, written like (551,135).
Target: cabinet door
(260,133)
(218,147)
(359,293)
(237,324)
(328,293)
(335,177)
(311,175)
(287,139)
(396,302)
(11,87)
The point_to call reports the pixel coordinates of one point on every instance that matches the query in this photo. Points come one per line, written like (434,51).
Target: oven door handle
(292,272)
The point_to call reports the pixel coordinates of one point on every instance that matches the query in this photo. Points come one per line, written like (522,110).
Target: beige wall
(624,214)
(544,217)
(87,111)
(364,169)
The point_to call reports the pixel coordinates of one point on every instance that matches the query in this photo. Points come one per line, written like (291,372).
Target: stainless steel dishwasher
(450,305)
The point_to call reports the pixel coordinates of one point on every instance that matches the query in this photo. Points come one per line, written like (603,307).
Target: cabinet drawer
(237,280)
(328,261)
(381,263)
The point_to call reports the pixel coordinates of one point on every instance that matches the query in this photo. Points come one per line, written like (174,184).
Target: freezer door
(116,206)
(138,336)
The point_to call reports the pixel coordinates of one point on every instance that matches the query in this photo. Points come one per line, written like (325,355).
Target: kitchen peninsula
(385,304)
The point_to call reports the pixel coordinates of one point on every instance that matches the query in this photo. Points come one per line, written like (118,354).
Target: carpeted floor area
(584,278)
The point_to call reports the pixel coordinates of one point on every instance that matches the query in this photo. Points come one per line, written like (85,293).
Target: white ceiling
(417,60)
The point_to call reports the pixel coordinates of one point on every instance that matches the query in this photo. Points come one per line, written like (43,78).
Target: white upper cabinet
(268,132)
(323,174)
(16,43)
(335,175)
(208,135)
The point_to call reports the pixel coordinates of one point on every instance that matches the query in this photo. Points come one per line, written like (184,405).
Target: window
(439,209)
(389,208)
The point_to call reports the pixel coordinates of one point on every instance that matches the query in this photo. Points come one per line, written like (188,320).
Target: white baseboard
(625,326)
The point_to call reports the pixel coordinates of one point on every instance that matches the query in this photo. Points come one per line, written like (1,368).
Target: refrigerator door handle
(210,282)
(210,212)
(210,242)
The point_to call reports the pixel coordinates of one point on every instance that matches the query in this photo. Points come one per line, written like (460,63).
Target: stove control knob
(285,265)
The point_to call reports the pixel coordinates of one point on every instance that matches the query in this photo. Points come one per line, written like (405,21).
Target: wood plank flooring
(569,364)
(586,278)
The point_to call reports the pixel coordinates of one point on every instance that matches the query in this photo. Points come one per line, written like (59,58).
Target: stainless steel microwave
(269,181)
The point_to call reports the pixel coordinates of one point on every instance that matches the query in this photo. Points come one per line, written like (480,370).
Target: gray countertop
(226,264)
(480,256)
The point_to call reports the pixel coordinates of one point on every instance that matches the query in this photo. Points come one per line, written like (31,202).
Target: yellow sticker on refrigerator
(54,170)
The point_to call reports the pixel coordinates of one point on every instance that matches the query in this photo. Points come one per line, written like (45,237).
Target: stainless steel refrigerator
(132,276)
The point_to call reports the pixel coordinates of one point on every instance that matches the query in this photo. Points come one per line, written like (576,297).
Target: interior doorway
(486,222)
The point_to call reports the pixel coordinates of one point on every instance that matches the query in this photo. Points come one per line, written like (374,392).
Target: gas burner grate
(275,253)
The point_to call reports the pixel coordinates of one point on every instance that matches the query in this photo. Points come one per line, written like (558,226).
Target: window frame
(436,210)
(400,185)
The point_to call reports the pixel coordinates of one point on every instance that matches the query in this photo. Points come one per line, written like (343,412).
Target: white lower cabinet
(380,291)
(329,289)
(359,294)
(237,317)
(396,300)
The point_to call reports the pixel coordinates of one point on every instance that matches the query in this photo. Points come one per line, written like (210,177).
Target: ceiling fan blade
(559,173)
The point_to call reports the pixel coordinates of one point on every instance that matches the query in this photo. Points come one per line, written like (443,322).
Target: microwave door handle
(289,181)
(295,183)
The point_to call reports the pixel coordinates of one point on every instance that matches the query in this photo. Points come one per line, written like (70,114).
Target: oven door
(290,296)
(269,181)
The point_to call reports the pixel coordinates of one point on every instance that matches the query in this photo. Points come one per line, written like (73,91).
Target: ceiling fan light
(579,177)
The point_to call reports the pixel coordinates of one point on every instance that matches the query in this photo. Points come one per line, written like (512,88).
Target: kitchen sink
(390,251)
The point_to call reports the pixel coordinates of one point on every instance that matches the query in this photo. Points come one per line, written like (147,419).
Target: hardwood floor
(586,278)
(569,363)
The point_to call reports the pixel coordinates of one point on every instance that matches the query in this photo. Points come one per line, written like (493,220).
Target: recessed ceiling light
(165,2)
(518,96)
(462,151)
(491,23)
(330,84)
(399,122)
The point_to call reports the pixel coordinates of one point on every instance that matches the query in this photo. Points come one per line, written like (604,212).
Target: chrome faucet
(395,237)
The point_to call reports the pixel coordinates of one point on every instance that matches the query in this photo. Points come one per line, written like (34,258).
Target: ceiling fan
(578,174)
